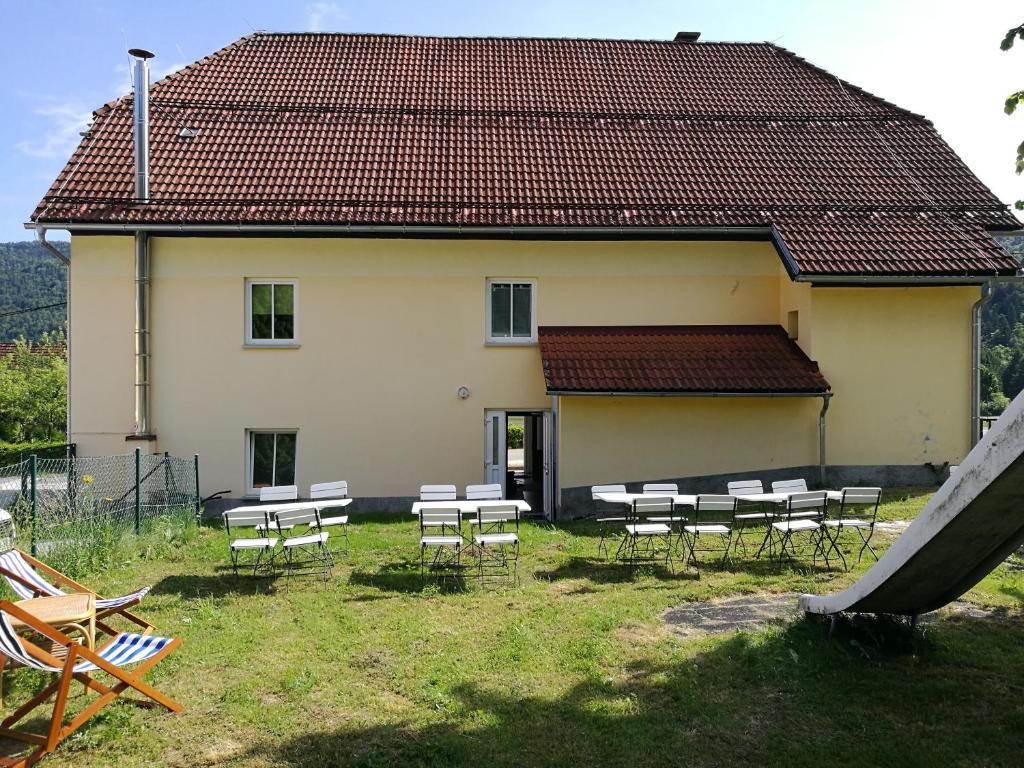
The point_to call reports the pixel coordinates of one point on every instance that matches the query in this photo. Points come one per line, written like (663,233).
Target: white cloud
(66,121)
(319,13)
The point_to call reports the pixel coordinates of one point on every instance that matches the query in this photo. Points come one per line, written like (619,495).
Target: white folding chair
(789,486)
(750,514)
(441,534)
(605,521)
(485,492)
(674,520)
(804,515)
(436,493)
(306,553)
(713,518)
(277,494)
(262,544)
(497,547)
(338,489)
(644,540)
(857,510)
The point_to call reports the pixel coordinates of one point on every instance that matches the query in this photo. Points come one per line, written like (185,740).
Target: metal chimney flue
(140,84)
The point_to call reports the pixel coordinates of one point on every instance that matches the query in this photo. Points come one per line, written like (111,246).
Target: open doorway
(518,454)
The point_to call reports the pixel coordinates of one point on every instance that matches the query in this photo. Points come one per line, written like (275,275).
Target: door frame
(498,418)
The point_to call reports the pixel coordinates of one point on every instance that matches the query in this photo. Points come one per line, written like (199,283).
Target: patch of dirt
(635,635)
(749,612)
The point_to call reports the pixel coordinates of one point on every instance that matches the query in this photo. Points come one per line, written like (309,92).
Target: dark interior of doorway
(525,460)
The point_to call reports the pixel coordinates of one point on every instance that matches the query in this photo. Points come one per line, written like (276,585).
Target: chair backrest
(789,486)
(288,517)
(662,488)
(488,491)
(651,505)
(241,519)
(279,493)
(448,519)
(714,509)
(490,514)
(437,493)
(11,646)
(23,578)
(741,487)
(596,489)
(334,490)
(859,502)
(807,501)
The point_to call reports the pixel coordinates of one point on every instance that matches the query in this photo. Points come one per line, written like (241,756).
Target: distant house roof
(339,129)
(709,359)
(9,347)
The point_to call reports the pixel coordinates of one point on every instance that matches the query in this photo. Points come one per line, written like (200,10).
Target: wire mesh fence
(59,501)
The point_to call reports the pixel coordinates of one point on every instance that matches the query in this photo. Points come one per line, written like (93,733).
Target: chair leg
(867,543)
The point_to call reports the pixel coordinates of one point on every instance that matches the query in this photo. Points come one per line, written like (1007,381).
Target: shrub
(515,435)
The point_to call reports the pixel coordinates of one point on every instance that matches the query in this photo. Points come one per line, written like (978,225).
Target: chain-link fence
(57,501)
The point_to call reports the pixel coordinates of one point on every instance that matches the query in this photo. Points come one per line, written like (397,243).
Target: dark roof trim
(577,393)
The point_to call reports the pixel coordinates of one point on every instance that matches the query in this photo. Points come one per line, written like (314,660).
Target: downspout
(142,265)
(66,261)
(825,400)
(986,294)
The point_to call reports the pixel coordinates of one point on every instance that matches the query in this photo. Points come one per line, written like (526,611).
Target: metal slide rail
(971,525)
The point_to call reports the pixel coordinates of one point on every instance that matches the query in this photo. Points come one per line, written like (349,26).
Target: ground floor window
(271,458)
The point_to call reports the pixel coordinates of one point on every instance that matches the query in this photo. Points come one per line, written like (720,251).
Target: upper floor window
(511,314)
(270,317)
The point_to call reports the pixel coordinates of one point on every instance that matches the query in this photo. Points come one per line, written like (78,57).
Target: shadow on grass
(194,586)
(405,578)
(788,696)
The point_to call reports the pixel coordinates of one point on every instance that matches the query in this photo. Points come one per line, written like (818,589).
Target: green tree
(33,390)
(1015,99)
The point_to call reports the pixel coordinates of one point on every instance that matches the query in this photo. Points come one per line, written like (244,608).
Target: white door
(495,448)
(549,465)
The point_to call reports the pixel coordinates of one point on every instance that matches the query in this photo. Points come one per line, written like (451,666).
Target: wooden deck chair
(22,572)
(146,651)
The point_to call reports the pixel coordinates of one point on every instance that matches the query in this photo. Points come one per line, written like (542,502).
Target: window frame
(511,341)
(272,281)
(251,491)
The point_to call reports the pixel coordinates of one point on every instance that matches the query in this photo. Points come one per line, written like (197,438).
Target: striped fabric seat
(12,561)
(124,649)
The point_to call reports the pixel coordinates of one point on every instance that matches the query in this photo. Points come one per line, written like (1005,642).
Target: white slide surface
(971,525)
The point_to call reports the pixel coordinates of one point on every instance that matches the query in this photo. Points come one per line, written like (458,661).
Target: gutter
(986,294)
(560,392)
(66,261)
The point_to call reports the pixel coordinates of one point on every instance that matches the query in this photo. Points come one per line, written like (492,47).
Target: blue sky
(61,60)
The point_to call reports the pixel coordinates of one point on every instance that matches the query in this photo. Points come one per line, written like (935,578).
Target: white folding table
(467,506)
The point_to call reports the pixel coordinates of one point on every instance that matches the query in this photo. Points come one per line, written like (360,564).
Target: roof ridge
(413,36)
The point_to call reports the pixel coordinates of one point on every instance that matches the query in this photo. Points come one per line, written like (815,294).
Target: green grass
(571,667)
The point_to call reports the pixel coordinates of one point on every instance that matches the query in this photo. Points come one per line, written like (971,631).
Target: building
(357,256)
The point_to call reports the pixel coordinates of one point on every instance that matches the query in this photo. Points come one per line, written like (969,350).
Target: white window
(271,458)
(270,312)
(511,311)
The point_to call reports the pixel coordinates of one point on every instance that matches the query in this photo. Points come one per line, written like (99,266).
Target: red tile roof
(9,347)
(676,358)
(377,129)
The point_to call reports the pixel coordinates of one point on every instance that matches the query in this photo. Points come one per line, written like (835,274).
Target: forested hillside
(1002,352)
(30,277)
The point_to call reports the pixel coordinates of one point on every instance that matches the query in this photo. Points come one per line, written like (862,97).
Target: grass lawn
(571,667)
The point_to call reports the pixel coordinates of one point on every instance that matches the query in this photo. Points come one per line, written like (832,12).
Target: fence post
(167,479)
(32,467)
(199,500)
(138,497)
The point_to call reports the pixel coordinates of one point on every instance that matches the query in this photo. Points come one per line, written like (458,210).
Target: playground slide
(971,524)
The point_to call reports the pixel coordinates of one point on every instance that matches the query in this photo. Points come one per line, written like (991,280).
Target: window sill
(510,343)
(288,345)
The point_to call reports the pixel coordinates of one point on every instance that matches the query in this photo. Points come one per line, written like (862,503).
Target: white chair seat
(755,516)
(483,539)
(326,521)
(302,541)
(848,523)
(611,519)
(797,525)
(440,541)
(648,529)
(253,543)
(707,528)
(666,519)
